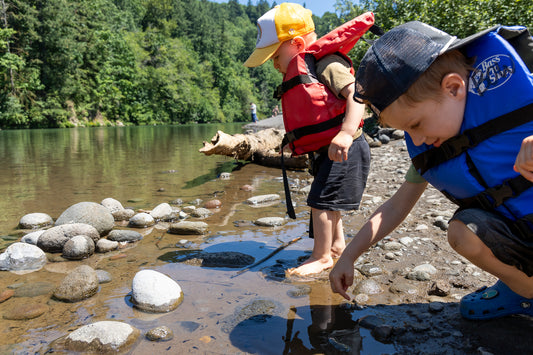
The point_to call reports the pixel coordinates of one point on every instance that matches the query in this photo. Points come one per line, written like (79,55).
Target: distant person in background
(275,111)
(253,109)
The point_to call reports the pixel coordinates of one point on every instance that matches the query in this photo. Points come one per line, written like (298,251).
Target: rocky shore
(405,295)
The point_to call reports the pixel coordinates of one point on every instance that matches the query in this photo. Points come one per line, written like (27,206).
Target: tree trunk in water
(261,147)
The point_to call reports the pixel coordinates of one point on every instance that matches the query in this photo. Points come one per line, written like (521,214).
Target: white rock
(406,240)
(162,211)
(262,199)
(142,220)
(154,292)
(22,256)
(104,336)
(430,269)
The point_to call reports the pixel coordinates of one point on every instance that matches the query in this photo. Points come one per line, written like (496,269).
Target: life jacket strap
(300,132)
(288,200)
(289,84)
(496,195)
(470,138)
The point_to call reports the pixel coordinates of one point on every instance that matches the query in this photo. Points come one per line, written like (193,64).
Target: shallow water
(47,171)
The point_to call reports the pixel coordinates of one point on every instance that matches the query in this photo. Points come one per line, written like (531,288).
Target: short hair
(427,86)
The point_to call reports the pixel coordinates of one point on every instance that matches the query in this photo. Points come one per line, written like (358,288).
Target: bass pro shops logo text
(490,74)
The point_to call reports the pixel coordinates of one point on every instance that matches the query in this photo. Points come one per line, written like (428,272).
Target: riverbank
(406,293)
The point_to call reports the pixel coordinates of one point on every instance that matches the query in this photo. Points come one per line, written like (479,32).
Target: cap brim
(261,55)
(463,42)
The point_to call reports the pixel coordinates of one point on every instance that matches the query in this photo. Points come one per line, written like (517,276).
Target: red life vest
(312,114)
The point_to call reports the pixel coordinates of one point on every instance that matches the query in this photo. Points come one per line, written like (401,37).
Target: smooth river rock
(112,205)
(53,240)
(142,220)
(124,235)
(79,284)
(22,256)
(35,220)
(91,213)
(78,247)
(102,337)
(188,227)
(154,292)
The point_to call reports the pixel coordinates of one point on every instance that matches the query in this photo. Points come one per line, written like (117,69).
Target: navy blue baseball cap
(398,58)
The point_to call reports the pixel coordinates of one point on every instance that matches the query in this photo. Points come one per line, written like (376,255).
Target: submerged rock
(26,311)
(187,227)
(162,333)
(263,199)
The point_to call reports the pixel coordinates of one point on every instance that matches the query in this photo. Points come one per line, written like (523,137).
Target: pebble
(213,204)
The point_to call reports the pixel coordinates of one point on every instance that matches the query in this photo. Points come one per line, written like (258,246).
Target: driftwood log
(261,147)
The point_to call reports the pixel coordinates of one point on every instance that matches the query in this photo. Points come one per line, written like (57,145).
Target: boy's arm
(382,222)
(524,159)
(341,143)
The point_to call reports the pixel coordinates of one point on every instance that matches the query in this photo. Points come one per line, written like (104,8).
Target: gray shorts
(339,186)
(496,234)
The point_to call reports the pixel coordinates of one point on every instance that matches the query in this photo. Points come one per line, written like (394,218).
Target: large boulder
(91,213)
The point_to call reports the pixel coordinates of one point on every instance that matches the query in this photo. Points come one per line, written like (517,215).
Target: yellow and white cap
(276,26)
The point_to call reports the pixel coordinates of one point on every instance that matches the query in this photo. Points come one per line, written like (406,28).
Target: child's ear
(299,42)
(453,84)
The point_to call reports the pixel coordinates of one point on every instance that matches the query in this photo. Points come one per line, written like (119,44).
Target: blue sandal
(493,302)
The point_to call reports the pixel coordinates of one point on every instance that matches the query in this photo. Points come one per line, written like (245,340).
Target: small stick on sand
(280,248)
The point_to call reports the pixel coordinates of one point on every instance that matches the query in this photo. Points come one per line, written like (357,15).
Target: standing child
(341,156)
(469,132)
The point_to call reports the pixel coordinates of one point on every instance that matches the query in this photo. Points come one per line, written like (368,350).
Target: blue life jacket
(475,168)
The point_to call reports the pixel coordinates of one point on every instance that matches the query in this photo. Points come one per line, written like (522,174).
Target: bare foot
(311,266)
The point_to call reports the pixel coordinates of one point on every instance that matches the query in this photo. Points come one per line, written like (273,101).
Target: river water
(49,170)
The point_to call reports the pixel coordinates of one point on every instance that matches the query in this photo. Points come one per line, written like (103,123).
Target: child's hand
(341,277)
(339,146)
(524,160)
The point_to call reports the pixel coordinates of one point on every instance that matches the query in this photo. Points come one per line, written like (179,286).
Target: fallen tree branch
(261,147)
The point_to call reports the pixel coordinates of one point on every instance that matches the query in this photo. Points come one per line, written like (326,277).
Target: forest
(66,63)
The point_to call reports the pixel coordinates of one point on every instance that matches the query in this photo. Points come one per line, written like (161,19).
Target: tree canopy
(80,62)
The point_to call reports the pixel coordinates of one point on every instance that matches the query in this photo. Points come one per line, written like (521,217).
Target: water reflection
(49,170)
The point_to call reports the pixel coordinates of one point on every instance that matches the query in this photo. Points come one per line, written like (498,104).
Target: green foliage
(65,63)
